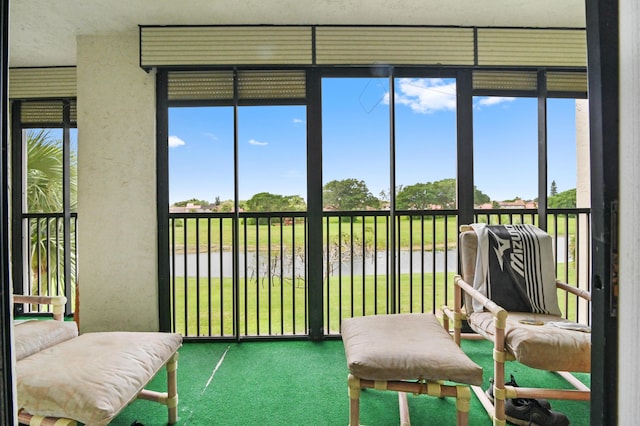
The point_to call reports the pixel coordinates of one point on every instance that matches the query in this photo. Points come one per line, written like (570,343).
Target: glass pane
(425,115)
(44,170)
(201,159)
(561,153)
(73,146)
(272,157)
(355,131)
(505,138)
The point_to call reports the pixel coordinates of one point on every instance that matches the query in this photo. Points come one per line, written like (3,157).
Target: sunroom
(125,81)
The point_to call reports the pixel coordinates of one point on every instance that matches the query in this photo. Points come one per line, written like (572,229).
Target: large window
(44,184)
(562,154)
(425,143)
(201,159)
(505,138)
(355,132)
(272,157)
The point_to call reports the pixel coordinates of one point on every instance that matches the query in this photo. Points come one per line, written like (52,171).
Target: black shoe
(528,412)
(489,392)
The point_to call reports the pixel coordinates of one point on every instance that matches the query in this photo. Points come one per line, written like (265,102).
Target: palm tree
(44,194)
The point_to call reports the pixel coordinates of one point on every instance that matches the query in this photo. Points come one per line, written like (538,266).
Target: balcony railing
(246,275)
(44,261)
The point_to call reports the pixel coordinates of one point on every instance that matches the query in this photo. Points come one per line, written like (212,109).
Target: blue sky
(356,130)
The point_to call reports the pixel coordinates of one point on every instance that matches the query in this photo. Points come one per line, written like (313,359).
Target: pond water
(220,264)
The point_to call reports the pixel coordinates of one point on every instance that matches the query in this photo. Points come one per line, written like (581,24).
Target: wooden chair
(63,378)
(536,338)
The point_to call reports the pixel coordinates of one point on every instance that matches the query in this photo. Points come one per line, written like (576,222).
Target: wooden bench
(406,353)
(92,377)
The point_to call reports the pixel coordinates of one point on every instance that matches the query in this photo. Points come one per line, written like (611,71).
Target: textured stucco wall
(117,232)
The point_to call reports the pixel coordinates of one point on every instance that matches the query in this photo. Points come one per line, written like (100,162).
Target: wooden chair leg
(499,359)
(463,404)
(172,388)
(354,400)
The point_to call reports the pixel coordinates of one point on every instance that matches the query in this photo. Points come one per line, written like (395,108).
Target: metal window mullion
(464,126)
(351,255)
(340,270)
(20,227)
(446,260)
(236,216)
(66,201)
(433,263)
(221,261)
(392,194)
(269,277)
(173,276)
(293,278)
(422,292)
(257,275)
(197,219)
(314,229)
(47,273)
(293,243)
(410,263)
(209,296)
(166,283)
(185,284)
(364,261)
(542,150)
(375,265)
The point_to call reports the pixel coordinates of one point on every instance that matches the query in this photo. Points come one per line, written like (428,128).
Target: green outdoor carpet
(305,383)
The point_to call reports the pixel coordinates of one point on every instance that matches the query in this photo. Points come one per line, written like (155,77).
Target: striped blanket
(515,268)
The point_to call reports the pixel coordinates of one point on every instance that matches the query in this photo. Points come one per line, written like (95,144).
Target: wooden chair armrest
(497,311)
(57,303)
(574,290)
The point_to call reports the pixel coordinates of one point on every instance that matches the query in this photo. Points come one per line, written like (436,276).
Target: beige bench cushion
(545,346)
(33,336)
(93,377)
(405,347)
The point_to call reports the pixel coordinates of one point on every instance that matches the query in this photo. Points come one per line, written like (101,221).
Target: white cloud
(175,141)
(493,100)
(255,142)
(425,95)
(297,121)
(210,136)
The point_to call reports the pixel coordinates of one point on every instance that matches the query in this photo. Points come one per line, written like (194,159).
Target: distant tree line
(353,194)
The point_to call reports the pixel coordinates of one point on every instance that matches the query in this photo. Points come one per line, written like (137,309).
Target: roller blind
(505,80)
(57,82)
(574,82)
(394,45)
(218,85)
(163,46)
(567,82)
(47,112)
(531,47)
(356,45)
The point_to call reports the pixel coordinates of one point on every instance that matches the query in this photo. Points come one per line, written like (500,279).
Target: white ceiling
(43,32)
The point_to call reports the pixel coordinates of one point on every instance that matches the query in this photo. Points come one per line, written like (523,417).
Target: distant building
(189,208)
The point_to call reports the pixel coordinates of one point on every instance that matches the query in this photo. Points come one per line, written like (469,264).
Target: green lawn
(424,232)
(275,308)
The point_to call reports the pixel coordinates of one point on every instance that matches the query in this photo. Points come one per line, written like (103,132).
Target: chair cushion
(545,346)
(93,377)
(405,347)
(33,336)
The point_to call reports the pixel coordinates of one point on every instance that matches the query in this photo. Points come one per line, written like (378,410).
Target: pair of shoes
(529,412)
(489,392)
